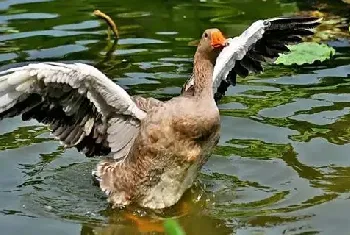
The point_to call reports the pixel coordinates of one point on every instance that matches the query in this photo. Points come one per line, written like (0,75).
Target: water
(282,164)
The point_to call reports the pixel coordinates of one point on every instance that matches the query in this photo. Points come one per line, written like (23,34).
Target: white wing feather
(274,32)
(115,108)
(80,76)
(236,50)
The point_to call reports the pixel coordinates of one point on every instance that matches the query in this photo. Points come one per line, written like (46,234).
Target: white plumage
(237,48)
(69,88)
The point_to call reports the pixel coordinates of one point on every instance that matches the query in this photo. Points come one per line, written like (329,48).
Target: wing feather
(83,108)
(261,42)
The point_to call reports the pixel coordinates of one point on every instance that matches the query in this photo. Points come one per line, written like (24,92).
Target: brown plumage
(174,141)
(153,149)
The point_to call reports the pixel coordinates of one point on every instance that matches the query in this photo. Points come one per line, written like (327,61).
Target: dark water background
(282,165)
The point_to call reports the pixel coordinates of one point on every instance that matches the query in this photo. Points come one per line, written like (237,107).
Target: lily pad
(306,53)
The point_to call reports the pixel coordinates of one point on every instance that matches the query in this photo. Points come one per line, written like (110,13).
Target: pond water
(282,165)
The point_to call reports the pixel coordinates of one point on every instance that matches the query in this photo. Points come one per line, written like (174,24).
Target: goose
(151,150)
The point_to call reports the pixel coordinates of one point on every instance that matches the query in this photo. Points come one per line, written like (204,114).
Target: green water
(282,165)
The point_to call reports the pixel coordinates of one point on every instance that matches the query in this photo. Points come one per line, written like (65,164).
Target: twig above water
(109,21)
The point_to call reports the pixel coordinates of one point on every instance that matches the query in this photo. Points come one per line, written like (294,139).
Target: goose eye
(206,35)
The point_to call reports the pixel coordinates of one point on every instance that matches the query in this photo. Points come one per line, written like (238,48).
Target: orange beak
(217,39)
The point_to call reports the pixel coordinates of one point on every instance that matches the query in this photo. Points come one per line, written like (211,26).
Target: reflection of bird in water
(190,213)
(192,224)
(154,149)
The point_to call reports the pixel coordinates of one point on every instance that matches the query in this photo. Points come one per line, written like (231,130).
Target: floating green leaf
(172,227)
(306,53)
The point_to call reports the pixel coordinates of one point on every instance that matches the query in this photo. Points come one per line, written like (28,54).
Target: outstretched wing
(263,40)
(83,108)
